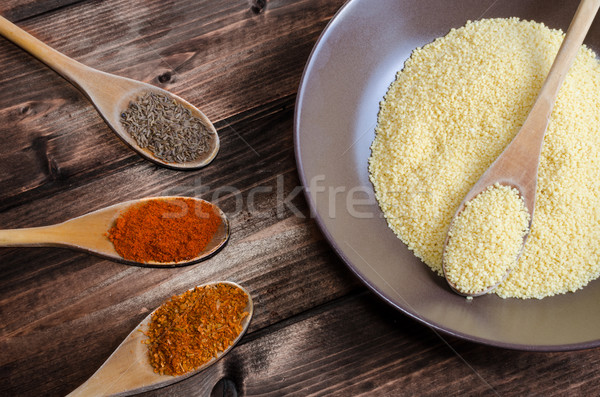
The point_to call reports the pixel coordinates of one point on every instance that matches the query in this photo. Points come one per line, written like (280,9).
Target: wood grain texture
(17,10)
(358,346)
(316,330)
(194,50)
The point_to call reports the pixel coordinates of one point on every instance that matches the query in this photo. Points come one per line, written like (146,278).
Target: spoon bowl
(517,165)
(128,369)
(110,94)
(88,233)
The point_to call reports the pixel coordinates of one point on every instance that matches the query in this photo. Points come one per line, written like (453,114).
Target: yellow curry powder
(191,329)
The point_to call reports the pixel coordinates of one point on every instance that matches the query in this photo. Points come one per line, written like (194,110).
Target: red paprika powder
(164,230)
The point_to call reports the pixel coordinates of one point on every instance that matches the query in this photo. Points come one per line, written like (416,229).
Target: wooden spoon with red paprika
(155,231)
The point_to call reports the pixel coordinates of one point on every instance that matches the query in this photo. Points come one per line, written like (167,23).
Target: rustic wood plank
(94,304)
(316,330)
(225,60)
(273,244)
(358,346)
(17,10)
(244,145)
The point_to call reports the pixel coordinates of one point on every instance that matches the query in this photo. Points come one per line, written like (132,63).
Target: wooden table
(317,330)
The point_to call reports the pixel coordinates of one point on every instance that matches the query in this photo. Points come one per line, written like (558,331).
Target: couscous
(485,239)
(451,111)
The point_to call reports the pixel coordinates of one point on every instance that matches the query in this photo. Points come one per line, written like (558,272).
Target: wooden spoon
(88,233)
(517,165)
(128,370)
(110,94)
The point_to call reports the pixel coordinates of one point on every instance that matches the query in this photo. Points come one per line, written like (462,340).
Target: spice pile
(193,328)
(485,239)
(167,128)
(451,111)
(164,230)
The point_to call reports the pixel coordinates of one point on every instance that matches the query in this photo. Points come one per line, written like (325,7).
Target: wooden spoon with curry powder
(128,369)
(89,233)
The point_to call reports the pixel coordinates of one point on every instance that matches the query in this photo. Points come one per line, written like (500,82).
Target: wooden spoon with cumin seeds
(111,95)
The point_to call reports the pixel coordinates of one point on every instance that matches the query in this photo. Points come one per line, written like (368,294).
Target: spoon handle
(125,370)
(517,165)
(43,236)
(62,64)
(85,233)
(542,109)
(98,86)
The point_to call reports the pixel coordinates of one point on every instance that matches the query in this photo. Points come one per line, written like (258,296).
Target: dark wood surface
(317,330)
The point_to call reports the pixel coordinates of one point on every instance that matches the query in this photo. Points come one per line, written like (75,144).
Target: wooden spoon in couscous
(490,226)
